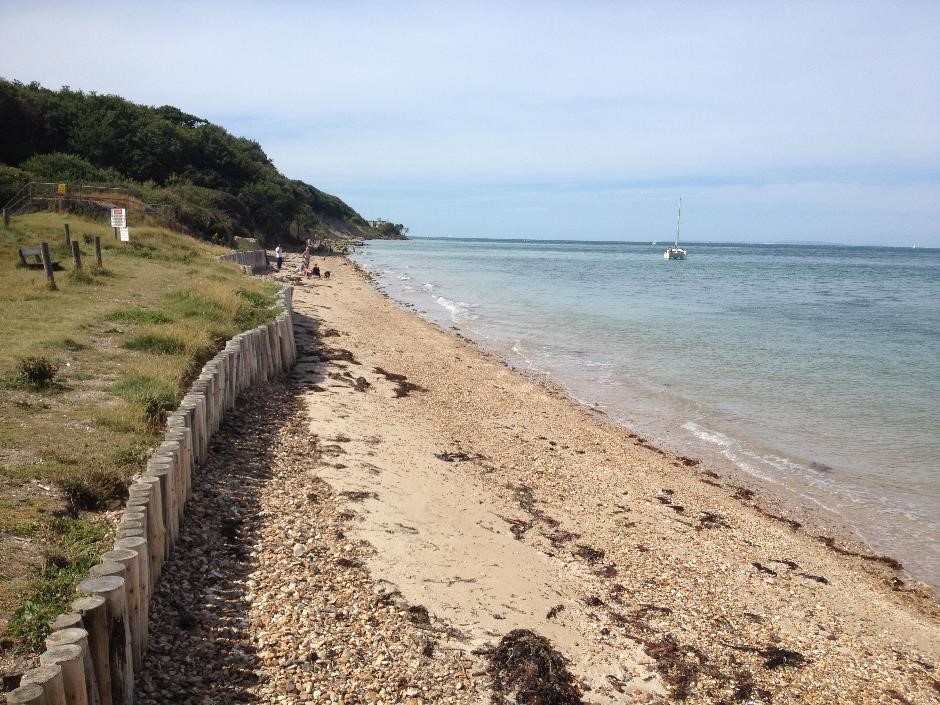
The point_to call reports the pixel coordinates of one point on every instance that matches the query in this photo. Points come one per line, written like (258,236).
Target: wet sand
(496,502)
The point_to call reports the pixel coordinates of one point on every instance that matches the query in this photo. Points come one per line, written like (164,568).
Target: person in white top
(279,253)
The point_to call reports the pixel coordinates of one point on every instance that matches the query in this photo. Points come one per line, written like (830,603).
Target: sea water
(814,370)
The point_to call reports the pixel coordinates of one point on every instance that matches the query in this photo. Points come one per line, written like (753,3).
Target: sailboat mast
(678,220)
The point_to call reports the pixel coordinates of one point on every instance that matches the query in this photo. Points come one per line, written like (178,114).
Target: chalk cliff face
(204,179)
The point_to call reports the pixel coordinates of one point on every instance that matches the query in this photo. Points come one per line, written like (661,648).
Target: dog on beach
(326,274)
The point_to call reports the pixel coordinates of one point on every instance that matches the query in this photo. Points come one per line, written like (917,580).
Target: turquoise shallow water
(814,369)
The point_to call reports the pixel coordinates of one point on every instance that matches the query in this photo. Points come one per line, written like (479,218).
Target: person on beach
(315,271)
(279,255)
(307,256)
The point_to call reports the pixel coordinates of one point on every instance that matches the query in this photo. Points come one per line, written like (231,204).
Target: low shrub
(36,372)
(94,491)
(138,315)
(156,344)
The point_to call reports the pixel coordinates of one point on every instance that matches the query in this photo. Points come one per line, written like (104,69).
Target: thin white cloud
(366,96)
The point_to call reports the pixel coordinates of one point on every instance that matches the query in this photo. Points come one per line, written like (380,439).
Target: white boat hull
(675,253)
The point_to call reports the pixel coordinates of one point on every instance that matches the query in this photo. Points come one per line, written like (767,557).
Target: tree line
(215,184)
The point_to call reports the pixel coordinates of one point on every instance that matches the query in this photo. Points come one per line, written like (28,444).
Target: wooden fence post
(68,620)
(69,659)
(76,254)
(49,678)
(111,588)
(77,636)
(26,695)
(47,264)
(94,614)
(98,250)
(68,235)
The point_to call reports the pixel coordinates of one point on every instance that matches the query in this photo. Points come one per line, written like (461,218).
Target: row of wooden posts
(76,251)
(96,649)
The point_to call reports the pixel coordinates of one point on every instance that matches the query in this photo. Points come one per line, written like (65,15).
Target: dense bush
(11,181)
(36,372)
(57,166)
(215,184)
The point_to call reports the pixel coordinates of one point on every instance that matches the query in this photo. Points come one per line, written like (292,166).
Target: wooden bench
(37,253)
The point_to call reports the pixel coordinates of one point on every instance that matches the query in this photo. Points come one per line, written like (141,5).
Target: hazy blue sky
(784,120)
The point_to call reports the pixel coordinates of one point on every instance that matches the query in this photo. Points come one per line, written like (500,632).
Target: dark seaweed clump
(526,670)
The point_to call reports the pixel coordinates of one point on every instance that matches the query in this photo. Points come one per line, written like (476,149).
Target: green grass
(138,315)
(77,544)
(156,344)
(127,344)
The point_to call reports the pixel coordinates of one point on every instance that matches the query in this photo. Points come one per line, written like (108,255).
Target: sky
(773,121)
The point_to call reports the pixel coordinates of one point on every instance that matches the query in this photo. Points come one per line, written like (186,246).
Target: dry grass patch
(89,372)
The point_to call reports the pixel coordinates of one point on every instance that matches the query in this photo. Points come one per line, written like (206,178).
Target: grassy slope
(127,341)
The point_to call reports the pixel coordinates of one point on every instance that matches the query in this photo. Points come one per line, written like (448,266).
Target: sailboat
(674,251)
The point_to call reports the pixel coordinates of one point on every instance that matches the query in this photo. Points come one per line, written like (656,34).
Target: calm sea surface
(814,370)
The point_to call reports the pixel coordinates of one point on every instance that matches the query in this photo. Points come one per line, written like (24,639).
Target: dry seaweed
(419,614)
(678,665)
(518,527)
(559,537)
(359,495)
(526,670)
(526,500)
(554,611)
(887,560)
(666,499)
(591,555)
(764,569)
(817,578)
(710,520)
(327,354)
(780,658)
(448,457)
(403,386)
(688,462)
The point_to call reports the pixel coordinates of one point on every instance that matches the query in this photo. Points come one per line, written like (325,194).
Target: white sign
(125,234)
(118,217)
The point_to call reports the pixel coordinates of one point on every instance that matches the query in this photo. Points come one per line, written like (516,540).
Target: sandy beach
(411,500)
(496,502)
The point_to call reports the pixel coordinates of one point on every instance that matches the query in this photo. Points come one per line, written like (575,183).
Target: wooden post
(47,264)
(79,637)
(49,678)
(139,565)
(135,596)
(76,254)
(115,233)
(98,250)
(68,235)
(156,533)
(94,614)
(118,639)
(26,695)
(6,218)
(162,475)
(66,621)
(69,659)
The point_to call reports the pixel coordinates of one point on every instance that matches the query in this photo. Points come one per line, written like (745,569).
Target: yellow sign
(62,189)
